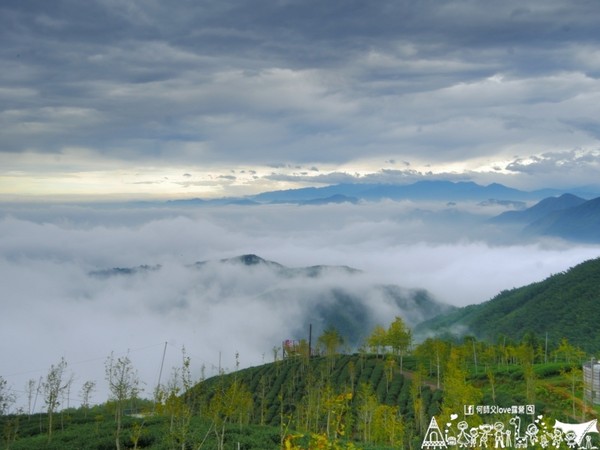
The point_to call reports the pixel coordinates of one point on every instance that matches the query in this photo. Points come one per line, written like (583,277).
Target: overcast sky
(143,98)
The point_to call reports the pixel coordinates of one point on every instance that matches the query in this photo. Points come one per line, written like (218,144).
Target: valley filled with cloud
(83,281)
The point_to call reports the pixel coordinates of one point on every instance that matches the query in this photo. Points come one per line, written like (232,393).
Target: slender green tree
(86,394)
(568,353)
(30,389)
(399,338)
(124,384)
(389,366)
(458,392)
(433,353)
(7,398)
(388,427)
(331,340)
(367,404)
(416,393)
(377,340)
(172,401)
(575,375)
(55,385)
(230,403)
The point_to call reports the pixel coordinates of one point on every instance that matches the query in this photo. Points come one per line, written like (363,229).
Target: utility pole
(309,340)
(474,355)
(546,349)
(162,363)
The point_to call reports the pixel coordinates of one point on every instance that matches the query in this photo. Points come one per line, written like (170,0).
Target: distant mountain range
(568,216)
(564,305)
(431,190)
(421,190)
(538,211)
(321,295)
(579,223)
(565,215)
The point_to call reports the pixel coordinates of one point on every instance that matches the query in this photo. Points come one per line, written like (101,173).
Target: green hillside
(299,393)
(383,397)
(359,401)
(257,408)
(565,305)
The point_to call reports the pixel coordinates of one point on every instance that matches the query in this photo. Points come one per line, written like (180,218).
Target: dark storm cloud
(298,81)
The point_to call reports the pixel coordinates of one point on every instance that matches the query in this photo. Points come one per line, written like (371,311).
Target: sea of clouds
(54,306)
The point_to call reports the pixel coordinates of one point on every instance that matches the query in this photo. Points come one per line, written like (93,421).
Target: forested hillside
(565,305)
(382,396)
(374,399)
(357,397)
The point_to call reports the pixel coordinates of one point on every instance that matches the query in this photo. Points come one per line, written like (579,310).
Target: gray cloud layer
(263,82)
(52,307)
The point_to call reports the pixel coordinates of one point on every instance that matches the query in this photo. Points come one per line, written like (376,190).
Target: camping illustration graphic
(510,434)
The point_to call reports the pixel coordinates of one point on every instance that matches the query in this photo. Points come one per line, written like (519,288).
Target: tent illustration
(434,439)
(580,429)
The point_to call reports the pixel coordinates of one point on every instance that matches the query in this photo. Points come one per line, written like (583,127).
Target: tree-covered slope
(361,401)
(565,305)
(285,383)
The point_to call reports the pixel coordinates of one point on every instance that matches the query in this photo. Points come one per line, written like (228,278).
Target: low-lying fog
(53,306)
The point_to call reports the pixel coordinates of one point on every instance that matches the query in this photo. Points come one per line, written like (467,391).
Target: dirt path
(411,376)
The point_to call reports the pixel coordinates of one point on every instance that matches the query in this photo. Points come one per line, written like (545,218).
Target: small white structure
(591,381)
(580,429)
(434,439)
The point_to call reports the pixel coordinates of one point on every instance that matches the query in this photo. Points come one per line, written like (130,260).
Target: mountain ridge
(420,190)
(322,295)
(568,217)
(578,223)
(438,190)
(539,210)
(564,305)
